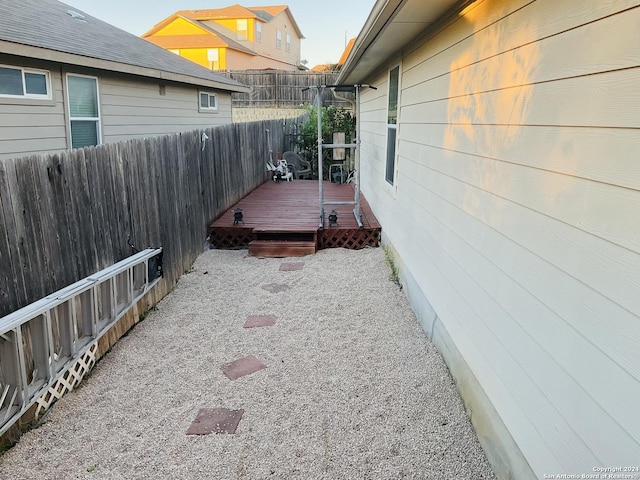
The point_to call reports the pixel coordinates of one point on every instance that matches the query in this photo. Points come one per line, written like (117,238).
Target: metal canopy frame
(355,145)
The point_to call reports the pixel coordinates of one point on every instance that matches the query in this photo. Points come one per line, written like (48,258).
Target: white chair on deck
(281,172)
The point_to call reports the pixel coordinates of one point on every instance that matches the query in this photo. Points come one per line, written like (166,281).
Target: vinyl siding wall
(243,61)
(514,217)
(135,109)
(32,126)
(129,107)
(268,46)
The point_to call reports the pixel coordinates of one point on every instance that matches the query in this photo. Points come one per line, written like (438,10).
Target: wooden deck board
(295,207)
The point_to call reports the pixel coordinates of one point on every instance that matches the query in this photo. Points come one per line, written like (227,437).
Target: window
(84,110)
(278,39)
(22,82)
(288,42)
(214,58)
(392,124)
(241,29)
(258,32)
(208,101)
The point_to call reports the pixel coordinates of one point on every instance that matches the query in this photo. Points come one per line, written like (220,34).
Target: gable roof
(51,30)
(210,37)
(392,26)
(268,13)
(226,13)
(264,14)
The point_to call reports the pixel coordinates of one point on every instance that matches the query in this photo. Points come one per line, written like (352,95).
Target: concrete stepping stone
(260,321)
(291,266)
(215,420)
(242,366)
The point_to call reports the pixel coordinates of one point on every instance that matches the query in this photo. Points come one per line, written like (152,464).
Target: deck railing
(42,341)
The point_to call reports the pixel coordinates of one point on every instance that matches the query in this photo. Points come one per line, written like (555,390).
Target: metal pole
(356,210)
(320,173)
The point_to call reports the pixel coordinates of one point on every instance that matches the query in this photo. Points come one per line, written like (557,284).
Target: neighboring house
(500,155)
(232,38)
(346,52)
(70,80)
(334,67)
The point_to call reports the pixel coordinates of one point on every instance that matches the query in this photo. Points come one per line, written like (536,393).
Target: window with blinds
(84,110)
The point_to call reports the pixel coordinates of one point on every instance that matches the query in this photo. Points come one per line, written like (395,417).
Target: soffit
(392,26)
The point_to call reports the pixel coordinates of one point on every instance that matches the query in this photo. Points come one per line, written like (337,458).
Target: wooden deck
(290,212)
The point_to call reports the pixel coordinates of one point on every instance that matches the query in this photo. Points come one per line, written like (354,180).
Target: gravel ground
(352,389)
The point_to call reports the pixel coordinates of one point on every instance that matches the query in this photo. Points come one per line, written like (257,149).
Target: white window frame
(213,57)
(279,39)
(239,35)
(97,119)
(258,31)
(210,95)
(287,42)
(392,146)
(35,71)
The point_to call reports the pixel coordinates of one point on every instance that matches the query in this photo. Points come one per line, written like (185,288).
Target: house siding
(514,218)
(267,47)
(244,61)
(29,126)
(136,109)
(130,107)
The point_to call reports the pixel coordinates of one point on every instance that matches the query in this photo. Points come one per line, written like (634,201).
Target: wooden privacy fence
(66,216)
(277,88)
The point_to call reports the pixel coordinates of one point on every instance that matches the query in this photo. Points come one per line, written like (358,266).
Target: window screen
(392,120)
(84,114)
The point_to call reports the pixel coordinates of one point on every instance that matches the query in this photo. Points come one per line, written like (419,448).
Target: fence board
(8,271)
(279,88)
(65,216)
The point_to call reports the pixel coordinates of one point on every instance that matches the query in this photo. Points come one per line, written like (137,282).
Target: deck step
(281,248)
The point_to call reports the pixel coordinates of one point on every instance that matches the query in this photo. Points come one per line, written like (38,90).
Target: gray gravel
(352,389)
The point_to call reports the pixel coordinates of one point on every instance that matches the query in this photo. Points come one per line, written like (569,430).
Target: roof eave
(111,66)
(391,27)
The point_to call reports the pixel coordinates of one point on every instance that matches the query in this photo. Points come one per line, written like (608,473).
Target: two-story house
(69,80)
(232,38)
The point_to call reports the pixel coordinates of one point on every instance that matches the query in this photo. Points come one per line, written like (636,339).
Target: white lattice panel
(68,381)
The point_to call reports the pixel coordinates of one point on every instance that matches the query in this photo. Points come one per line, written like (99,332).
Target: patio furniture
(285,173)
(301,167)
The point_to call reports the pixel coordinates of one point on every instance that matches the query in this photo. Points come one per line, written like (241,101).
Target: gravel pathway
(352,389)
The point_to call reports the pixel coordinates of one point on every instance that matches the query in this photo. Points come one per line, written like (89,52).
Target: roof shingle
(49,24)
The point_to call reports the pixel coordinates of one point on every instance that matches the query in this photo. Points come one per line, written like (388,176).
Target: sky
(325,24)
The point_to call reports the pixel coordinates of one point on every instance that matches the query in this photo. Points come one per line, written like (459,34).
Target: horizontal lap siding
(129,108)
(32,126)
(516,212)
(133,109)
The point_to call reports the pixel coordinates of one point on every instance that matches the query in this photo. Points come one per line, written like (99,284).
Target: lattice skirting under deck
(228,238)
(350,239)
(68,381)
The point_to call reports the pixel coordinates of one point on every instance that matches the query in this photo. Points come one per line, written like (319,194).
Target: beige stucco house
(500,154)
(70,80)
(232,38)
